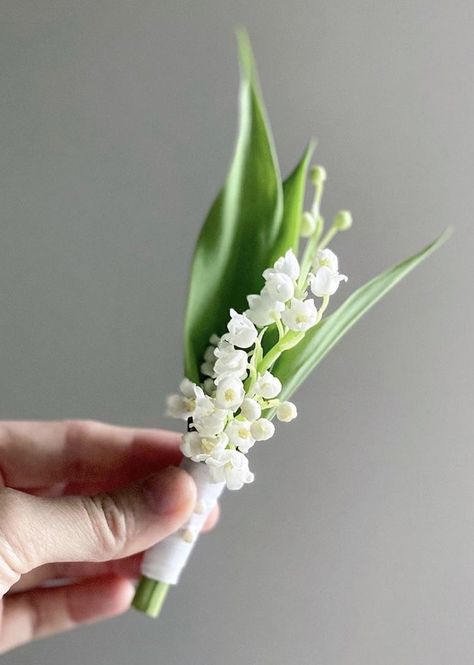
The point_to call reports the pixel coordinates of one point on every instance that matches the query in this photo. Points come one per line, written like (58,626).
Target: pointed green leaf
(239,234)
(293,367)
(293,202)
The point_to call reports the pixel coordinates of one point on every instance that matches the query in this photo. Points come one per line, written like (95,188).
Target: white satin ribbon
(165,561)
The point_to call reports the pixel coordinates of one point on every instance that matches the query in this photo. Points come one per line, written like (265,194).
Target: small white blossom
(263,309)
(286,412)
(250,409)
(199,448)
(326,282)
(301,315)
(262,429)
(230,362)
(239,434)
(231,467)
(208,420)
(268,386)
(278,285)
(183,406)
(209,354)
(229,394)
(325,258)
(288,264)
(242,332)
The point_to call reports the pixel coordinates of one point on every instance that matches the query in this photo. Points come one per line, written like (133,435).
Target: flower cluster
(226,414)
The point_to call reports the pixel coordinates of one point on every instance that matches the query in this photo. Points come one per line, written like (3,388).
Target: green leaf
(293,202)
(237,240)
(295,365)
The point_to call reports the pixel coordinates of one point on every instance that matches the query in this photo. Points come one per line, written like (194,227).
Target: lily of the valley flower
(286,412)
(183,406)
(242,332)
(207,419)
(278,285)
(250,409)
(267,386)
(301,315)
(288,264)
(231,467)
(239,433)
(199,448)
(230,363)
(263,309)
(262,429)
(326,282)
(229,393)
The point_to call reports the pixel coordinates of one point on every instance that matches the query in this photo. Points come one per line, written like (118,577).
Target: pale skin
(79,502)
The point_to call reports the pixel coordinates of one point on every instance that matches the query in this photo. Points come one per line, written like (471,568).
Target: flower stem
(150,596)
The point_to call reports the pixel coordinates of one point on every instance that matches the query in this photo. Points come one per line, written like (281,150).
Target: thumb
(35,530)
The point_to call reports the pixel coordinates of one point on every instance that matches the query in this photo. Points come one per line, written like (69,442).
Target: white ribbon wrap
(165,561)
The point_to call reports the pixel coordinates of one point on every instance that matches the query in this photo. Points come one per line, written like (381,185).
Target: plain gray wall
(355,545)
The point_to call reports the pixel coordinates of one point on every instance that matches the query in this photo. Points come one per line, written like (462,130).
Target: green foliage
(253,220)
(293,366)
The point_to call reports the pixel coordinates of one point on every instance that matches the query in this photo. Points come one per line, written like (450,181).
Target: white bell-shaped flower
(230,363)
(207,419)
(199,448)
(267,386)
(286,412)
(326,282)
(250,409)
(301,315)
(288,264)
(262,429)
(278,285)
(231,467)
(239,434)
(229,394)
(242,332)
(325,258)
(183,406)
(263,309)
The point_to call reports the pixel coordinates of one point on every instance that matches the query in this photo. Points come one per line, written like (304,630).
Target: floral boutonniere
(261,282)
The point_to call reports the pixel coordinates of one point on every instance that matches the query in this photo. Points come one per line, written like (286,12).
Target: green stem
(150,596)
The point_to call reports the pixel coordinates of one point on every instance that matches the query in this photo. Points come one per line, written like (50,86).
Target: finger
(35,530)
(129,567)
(81,453)
(40,613)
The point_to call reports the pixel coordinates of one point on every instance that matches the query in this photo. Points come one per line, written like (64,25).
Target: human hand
(79,501)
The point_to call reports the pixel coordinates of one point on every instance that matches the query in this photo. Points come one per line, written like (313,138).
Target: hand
(79,501)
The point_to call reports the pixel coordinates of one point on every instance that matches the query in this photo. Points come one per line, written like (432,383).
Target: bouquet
(261,282)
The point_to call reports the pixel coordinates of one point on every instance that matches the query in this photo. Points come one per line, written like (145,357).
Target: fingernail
(167,491)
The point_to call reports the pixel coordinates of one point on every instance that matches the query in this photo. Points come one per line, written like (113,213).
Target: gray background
(356,543)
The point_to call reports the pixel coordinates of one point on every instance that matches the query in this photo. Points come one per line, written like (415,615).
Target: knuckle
(110,521)
(13,558)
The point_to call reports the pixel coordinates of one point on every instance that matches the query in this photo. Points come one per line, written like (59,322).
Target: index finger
(81,453)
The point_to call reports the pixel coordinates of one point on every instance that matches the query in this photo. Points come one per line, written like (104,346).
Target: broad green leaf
(293,202)
(295,365)
(237,240)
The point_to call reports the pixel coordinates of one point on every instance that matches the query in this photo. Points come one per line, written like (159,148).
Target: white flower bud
(240,435)
(278,285)
(308,225)
(301,315)
(229,394)
(262,429)
(286,412)
(199,448)
(250,409)
(242,332)
(268,386)
(318,174)
(209,386)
